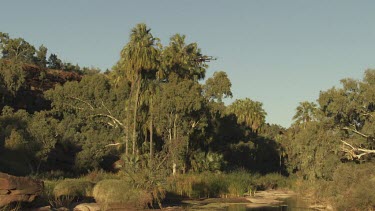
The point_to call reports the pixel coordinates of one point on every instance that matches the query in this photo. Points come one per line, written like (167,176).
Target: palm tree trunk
(135,114)
(126,127)
(151,131)
(128,113)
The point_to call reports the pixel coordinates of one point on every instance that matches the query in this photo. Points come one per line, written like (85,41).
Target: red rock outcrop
(18,189)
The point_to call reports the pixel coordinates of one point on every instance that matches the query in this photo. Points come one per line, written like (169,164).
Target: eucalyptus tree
(218,87)
(343,130)
(305,112)
(90,117)
(352,109)
(16,49)
(215,89)
(41,57)
(27,139)
(139,60)
(312,152)
(4,39)
(12,78)
(177,107)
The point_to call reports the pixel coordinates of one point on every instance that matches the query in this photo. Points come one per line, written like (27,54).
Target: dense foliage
(152,116)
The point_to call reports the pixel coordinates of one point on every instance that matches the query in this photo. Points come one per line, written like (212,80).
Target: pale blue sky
(276,52)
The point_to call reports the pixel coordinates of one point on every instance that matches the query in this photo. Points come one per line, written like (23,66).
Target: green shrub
(96,176)
(47,194)
(353,187)
(271,181)
(113,192)
(73,187)
(54,175)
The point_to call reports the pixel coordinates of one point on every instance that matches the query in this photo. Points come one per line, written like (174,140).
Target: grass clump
(202,185)
(353,187)
(272,181)
(73,187)
(234,184)
(96,176)
(116,192)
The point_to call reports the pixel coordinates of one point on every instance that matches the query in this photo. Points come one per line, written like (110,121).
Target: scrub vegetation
(151,130)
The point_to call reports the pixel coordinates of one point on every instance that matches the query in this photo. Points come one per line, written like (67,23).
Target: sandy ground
(268,197)
(260,199)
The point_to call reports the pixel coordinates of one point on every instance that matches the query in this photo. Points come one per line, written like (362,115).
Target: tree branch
(355,152)
(83,101)
(109,112)
(106,108)
(115,144)
(357,132)
(76,107)
(111,117)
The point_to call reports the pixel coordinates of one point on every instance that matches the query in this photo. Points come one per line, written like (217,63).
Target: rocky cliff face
(38,81)
(30,96)
(18,189)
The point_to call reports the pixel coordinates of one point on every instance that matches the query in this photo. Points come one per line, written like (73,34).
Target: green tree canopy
(180,58)
(218,87)
(41,57)
(16,49)
(54,62)
(248,112)
(305,112)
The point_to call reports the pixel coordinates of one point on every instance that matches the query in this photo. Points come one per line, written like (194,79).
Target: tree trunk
(128,113)
(126,127)
(175,127)
(151,131)
(135,114)
(174,165)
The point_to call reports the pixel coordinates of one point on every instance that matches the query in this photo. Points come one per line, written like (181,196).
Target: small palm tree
(306,112)
(249,112)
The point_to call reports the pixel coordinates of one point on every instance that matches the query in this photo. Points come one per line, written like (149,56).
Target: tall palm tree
(306,112)
(139,60)
(180,58)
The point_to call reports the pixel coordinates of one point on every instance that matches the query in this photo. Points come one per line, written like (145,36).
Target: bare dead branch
(161,162)
(194,124)
(106,108)
(115,144)
(367,114)
(356,131)
(109,112)
(355,152)
(76,107)
(111,117)
(83,101)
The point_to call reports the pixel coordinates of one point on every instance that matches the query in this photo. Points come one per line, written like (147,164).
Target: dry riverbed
(260,199)
(268,198)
